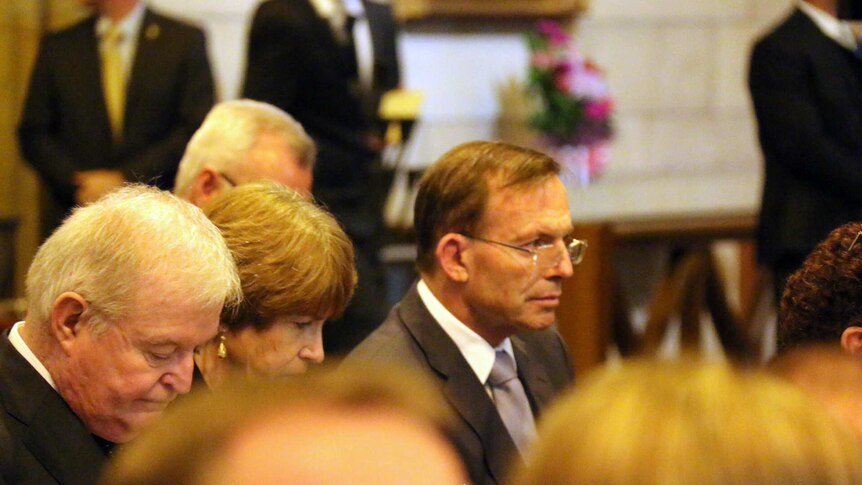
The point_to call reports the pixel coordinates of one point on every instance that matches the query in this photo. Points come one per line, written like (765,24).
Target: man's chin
(540,322)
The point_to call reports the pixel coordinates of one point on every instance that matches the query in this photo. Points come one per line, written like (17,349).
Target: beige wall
(21,22)
(19,26)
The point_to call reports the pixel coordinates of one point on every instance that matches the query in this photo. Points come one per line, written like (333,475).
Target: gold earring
(222,348)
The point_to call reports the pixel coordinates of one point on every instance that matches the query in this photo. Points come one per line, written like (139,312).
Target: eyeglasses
(544,255)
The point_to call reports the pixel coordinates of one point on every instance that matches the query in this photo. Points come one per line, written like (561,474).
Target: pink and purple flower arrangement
(575,105)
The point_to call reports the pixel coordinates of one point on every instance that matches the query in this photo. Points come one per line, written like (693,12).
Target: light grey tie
(511,401)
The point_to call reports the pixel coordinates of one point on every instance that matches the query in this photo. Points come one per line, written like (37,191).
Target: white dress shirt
(22,348)
(476,350)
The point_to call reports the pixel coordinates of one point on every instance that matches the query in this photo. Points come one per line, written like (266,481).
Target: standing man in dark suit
(114,98)
(806,84)
(118,299)
(494,237)
(326,63)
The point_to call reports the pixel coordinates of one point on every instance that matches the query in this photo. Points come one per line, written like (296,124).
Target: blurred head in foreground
(681,423)
(296,268)
(323,428)
(827,374)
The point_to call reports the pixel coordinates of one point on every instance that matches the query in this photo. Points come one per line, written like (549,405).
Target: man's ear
(67,317)
(205,186)
(450,257)
(851,340)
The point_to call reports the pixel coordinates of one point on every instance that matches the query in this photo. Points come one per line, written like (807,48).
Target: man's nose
(179,377)
(563,267)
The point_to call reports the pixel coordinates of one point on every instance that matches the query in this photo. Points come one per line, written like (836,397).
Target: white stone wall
(676,67)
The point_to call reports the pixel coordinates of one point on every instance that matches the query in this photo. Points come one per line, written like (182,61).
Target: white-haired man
(244,141)
(119,298)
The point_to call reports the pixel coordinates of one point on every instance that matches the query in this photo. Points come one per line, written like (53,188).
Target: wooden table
(687,213)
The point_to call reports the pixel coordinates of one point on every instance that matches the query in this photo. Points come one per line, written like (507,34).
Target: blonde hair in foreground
(196,438)
(652,422)
(124,242)
(292,256)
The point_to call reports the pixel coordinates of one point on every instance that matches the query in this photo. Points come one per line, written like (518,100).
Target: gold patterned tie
(114,79)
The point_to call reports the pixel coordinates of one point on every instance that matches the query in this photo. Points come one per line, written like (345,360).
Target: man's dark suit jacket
(41,439)
(410,336)
(295,63)
(807,94)
(65,128)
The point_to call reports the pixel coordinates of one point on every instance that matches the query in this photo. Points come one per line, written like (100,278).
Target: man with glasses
(495,242)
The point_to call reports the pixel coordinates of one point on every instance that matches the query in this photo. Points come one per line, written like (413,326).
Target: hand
(93,184)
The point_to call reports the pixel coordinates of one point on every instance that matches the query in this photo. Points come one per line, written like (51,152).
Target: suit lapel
(533,376)
(143,65)
(55,436)
(461,387)
(61,443)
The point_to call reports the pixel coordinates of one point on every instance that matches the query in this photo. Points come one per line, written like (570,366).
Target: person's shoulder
(74,32)
(283,11)
(794,29)
(171,25)
(390,343)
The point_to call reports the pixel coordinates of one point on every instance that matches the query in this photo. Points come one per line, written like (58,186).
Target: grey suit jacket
(41,440)
(411,336)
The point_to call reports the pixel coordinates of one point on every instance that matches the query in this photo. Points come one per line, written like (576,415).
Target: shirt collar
(476,350)
(18,342)
(835,29)
(129,25)
(354,8)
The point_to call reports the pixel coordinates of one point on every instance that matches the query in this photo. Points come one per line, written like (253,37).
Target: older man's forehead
(183,325)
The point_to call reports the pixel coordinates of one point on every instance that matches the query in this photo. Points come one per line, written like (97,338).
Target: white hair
(112,251)
(230,132)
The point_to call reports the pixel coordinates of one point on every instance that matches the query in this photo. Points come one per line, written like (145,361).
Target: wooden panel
(586,305)
(407,10)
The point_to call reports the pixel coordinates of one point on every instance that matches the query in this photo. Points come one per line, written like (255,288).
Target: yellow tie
(114,79)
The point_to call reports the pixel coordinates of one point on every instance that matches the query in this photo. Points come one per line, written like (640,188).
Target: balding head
(244,141)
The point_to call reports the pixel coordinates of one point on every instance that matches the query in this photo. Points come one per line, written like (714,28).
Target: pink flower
(552,30)
(599,110)
(599,154)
